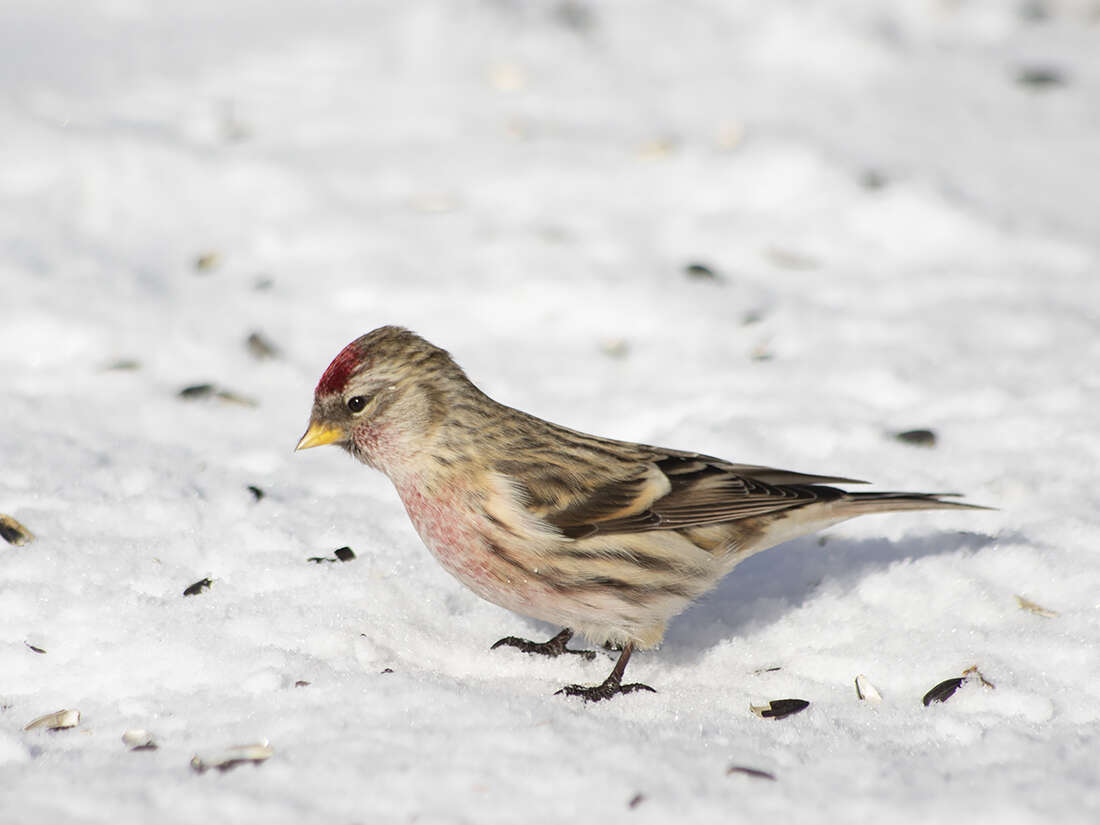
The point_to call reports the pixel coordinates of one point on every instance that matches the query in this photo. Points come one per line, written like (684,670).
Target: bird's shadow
(763,588)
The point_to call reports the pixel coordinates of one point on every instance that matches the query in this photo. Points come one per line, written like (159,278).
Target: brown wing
(685,490)
(564,497)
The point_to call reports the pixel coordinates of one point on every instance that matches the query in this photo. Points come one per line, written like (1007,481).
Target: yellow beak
(319,434)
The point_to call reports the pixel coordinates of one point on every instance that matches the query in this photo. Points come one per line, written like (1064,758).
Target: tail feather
(858,504)
(833,507)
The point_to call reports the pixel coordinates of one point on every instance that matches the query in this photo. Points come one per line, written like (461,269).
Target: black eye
(356,403)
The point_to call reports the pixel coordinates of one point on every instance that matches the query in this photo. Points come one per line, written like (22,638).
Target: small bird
(608,538)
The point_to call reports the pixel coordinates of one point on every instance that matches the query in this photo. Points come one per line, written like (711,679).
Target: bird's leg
(612,685)
(554,647)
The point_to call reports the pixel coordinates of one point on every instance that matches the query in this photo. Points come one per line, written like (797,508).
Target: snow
(524,184)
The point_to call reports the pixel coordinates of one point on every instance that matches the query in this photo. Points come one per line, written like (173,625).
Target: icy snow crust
(901,214)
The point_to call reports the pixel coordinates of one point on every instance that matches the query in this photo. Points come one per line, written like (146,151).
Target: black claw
(611,686)
(553,647)
(606,690)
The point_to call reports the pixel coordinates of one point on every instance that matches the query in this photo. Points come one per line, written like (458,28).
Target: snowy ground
(900,201)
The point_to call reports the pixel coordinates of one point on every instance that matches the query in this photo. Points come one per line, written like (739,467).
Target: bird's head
(384,394)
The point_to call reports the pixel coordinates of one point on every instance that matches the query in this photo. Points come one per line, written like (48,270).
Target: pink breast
(448,529)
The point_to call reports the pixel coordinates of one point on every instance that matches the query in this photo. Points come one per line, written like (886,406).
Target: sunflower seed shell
(232,757)
(58,720)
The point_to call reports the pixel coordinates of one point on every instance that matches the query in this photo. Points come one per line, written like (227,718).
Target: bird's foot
(554,647)
(608,688)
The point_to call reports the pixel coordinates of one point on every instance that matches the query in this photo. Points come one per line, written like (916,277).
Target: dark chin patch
(340,370)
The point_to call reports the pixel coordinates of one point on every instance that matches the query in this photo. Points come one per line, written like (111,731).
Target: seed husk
(260,347)
(231,757)
(943,691)
(779,708)
(58,720)
(865,691)
(917,438)
(139,739)
(756,773)
(198,587)
(1027,604)
(13,532)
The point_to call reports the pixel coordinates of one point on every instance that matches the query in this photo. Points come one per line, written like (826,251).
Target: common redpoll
(604,537)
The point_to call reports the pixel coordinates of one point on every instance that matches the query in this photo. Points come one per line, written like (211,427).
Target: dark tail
(858,504)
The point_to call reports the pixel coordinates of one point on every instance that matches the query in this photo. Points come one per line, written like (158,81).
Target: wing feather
(671,491)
